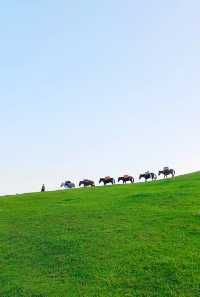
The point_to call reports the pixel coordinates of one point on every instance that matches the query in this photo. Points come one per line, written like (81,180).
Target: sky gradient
(94,88)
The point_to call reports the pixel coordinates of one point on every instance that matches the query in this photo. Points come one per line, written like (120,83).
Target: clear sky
(94,88)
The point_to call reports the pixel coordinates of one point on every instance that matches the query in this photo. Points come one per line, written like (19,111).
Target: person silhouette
(43,188)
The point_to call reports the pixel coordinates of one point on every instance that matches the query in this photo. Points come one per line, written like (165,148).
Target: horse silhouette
(148,175)
(67,184)
(126,178)
(86,183)
(167,171)
(107,180)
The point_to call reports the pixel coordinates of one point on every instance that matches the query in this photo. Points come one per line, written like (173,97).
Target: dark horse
(126,178)
(86,183)
(67,184)
(107,180)
(148,175)
(167,171)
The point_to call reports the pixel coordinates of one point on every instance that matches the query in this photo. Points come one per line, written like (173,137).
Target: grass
(124,240)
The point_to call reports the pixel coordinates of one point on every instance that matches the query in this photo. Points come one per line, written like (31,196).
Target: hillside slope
(134,240)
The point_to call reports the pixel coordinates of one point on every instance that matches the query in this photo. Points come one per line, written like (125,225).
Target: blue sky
(94,88)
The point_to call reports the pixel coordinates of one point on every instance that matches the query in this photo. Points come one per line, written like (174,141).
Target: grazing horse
(86,183)
(67,184)
(126,178)
(148,175)
(167,171)
(107,180)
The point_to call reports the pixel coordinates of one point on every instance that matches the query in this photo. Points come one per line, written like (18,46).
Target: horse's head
(141,175)
(100,180)
(119,178)
(159,172)
(80,183)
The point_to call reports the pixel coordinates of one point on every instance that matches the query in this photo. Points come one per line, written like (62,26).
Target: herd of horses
(126,178)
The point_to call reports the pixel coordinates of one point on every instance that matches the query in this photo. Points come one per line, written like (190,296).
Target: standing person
(43,188)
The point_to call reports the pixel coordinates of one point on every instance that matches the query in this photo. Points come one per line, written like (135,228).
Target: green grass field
(132,240)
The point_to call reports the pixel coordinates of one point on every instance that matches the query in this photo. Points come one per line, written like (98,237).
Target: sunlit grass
(122,240)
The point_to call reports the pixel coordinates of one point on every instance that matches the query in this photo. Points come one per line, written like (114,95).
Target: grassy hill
(132,240)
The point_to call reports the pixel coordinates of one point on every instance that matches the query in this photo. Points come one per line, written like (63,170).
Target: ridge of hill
(139,240)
